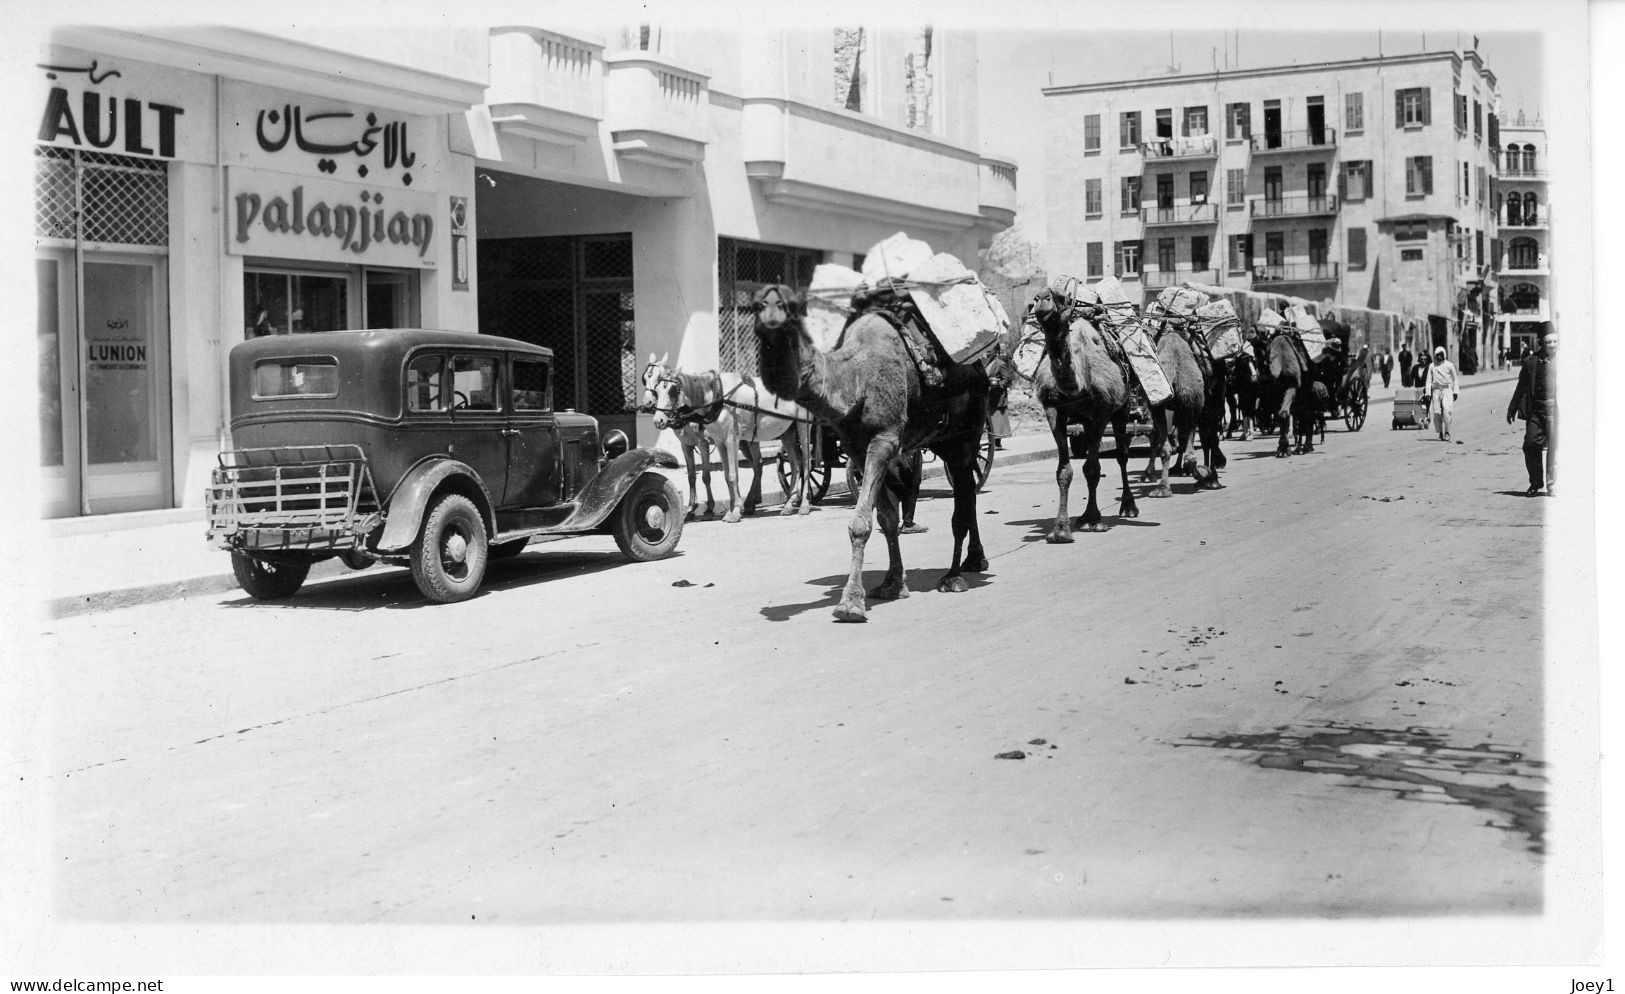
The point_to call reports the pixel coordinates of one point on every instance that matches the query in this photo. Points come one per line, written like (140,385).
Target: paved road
(1316,692)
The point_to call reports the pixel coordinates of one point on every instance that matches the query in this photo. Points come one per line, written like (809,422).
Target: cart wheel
(984,459)
(1355,418)
(817,478)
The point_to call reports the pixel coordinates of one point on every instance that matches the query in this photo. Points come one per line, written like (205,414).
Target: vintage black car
(436,450)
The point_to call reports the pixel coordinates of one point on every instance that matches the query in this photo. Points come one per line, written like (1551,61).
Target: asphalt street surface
(1315,692)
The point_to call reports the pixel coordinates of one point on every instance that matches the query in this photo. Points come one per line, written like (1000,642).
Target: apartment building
(1363,182)
(607,193)
(1524,214)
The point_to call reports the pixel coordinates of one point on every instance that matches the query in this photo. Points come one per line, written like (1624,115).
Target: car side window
(425,376)
(530,385)
(474,383)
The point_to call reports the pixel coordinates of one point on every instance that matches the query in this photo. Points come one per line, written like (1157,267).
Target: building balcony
(1156,276)
(546,86)
(658,110)
(1525,266)
(1521,174)
(1308,140)
(1265,208)
(1527,312)
(1192,148)
(1295,272)
(1151,216)
(998,191)
(805,156)
(1542,219)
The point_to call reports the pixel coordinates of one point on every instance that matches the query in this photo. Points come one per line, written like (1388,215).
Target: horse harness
(707,413)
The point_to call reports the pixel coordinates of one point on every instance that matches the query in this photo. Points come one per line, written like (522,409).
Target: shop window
(281,303)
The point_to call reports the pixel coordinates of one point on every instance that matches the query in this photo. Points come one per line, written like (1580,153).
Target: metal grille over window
(117,200)
(742,269)
(612,362)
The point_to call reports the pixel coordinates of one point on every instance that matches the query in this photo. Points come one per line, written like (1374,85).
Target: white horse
(734,415)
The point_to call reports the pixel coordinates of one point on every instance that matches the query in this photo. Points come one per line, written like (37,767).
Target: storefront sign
(97,104)
(292,217)
(314,136)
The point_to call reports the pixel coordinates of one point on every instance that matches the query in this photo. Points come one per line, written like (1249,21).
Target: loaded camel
(872,393)
(1078,382)
(722,409)
(1196,406)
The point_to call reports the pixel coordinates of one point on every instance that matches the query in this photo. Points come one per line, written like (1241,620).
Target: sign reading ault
(299,217)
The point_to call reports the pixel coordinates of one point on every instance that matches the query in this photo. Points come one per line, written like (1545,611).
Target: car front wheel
(268,581)
(448,559)
(649,520)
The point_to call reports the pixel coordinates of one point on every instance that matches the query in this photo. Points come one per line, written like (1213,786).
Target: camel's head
(777,307)
(660,392)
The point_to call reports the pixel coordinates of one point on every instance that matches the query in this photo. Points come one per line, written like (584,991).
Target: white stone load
(963,314)
(1309,331)
(1222,328)
(829,303)
(1179,301)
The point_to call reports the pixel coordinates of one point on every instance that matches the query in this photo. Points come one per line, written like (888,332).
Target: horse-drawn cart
(828,457)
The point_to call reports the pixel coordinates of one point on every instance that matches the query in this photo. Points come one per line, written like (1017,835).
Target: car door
(533,449)
(479,422)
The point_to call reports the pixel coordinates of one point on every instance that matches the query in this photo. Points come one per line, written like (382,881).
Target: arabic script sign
(315,136)
(293,217)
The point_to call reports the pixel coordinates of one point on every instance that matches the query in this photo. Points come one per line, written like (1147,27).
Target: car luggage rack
(292,497)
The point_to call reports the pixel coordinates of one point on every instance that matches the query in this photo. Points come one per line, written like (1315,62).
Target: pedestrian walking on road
(1385,366)
(1535,400)
(1445,387)
(998,397)
(1405,360)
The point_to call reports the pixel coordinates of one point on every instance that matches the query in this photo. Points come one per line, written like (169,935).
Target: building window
(1418,175)
(1413,108)
(1235,187)
(1478,121)
(1466,181)
(1091,134)
(1318,253)
(1096,264)
(1091,198)
(1529,212)
(1131,194)
(1356,248)
(1478,248)
(1411,231)
(1410,255)
(1128,129)
(1165,122)
(1356,180)
(849,68)
(1529,159)
(1165,255)
(1128,258)
(1199,186)
(1195,121)
(1238,121)
(1241,253)
(1165,191)
(1523,253)
(1200,253)
(1461,114)
(1353,113)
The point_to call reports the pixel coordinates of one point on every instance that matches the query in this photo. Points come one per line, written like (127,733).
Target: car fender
(410,499)
(603,492)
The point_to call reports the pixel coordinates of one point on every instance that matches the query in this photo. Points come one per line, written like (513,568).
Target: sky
(1015,65)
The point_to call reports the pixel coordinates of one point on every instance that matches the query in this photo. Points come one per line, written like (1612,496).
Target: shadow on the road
(920,581)
(1517,493)
(1038,528)
(392,587)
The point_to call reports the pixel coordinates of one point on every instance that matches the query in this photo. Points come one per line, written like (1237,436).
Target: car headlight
(616,444)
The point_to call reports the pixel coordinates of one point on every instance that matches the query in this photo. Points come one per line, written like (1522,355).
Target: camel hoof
(1280,453)
(1161,492)
(975,564)
(953,583)
(787,509)
(1058,537)
(889,590)
(851,612)
(805,508)
(1093,526)
(1128,511)
(732,518)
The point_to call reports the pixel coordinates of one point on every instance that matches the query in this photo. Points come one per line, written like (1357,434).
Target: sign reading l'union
(296,217)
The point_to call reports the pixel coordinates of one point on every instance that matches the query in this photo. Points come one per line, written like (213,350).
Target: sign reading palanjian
(274,214)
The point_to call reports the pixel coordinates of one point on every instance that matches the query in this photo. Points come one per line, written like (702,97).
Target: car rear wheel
(268,581)
(449,557)
(649,520)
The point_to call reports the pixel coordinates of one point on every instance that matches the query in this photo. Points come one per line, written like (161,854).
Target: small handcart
(1411,407)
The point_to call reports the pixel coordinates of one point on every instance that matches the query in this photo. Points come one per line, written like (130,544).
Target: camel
(1078,382)
(1196,406)
(1241,390)
(1287,375)
(869,390)
(733,416)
